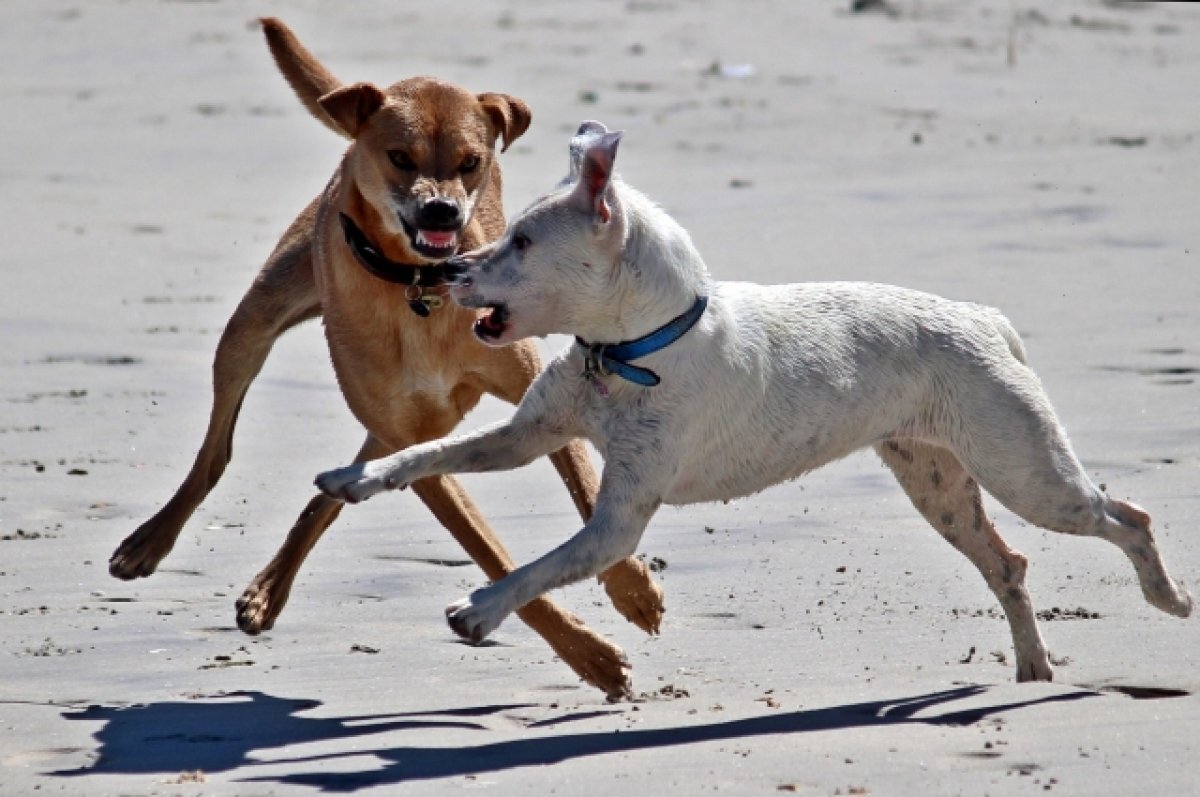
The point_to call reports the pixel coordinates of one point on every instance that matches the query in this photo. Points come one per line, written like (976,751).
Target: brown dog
(418,183)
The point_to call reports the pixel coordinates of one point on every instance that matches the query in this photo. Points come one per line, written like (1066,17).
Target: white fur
(772,382)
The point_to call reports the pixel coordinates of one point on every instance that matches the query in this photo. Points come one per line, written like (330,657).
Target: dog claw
(597,661)
(136,557)
(646,612)
(1029,672)
(256,610)
(120,566)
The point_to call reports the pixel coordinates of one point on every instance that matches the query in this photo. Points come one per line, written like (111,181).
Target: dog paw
(138,556)
(634,594)
(1186,604)
(259,606)
(1169,596)
(1036,668)
(596,660)
(359,481)
(471,619)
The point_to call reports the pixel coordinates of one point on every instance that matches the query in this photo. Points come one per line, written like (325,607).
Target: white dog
(737,387)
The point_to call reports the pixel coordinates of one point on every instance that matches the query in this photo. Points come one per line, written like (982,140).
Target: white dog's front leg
(501,446)
(610,536)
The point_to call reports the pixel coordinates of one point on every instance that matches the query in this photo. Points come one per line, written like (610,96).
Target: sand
(819,637)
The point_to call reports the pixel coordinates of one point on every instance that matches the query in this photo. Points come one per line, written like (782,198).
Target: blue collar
(602,359)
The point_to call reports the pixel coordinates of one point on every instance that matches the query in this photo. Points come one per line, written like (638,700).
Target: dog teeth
(438,240)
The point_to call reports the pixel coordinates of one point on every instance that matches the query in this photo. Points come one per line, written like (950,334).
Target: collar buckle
(593,361)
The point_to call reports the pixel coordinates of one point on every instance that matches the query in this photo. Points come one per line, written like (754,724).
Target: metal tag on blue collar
(594,368)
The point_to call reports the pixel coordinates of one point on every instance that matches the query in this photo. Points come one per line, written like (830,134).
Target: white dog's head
(591,258)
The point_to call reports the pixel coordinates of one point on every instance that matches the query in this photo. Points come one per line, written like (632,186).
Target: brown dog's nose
(439,213)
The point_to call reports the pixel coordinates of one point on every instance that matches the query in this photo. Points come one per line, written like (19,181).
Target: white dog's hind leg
(1124,525)
(950,500)
(1011,442)
(1128,527)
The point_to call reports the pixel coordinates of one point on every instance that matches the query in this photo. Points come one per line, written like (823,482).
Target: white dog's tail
(1005,328)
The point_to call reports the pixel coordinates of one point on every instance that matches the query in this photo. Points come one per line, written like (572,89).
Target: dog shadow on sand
(220,735)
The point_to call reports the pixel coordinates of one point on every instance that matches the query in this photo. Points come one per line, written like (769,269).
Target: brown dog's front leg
(596,660)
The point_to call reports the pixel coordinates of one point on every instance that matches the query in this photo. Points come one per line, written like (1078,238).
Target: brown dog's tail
(304,73)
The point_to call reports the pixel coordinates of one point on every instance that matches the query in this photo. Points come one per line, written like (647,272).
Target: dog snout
(441,213)
(455,270)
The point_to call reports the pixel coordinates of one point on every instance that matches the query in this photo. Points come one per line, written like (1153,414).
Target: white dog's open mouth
(491,326)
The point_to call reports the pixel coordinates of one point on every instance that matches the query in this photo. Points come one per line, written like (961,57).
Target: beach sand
(819,638)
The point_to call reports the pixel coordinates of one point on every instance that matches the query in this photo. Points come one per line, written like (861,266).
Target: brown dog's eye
(401,161)
(521,242)
(469,164)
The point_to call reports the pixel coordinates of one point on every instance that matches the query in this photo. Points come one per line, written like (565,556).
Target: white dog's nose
(455,269)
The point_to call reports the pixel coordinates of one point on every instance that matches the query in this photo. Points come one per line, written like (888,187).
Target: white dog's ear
(595,175)
(587,132)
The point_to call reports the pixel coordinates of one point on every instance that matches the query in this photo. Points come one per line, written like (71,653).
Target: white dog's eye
(469,164)
(521,242)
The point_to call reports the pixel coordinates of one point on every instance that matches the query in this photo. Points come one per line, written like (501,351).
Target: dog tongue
(490,325)
(439,239)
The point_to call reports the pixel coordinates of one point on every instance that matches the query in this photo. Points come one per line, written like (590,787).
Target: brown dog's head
(422,155)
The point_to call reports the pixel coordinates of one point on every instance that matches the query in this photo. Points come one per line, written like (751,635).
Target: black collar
(370,258)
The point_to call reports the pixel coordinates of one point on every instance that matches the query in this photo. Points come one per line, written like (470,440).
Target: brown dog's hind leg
(283,295)
(596,660)
(946,495)
(264,598)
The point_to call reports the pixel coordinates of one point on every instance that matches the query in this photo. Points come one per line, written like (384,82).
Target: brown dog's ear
(351,106)
(510,116)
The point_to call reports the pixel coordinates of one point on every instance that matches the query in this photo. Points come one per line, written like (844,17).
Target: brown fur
(408,379)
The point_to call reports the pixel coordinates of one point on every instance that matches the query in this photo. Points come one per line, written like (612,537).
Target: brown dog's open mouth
(434,244)
(492,325)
